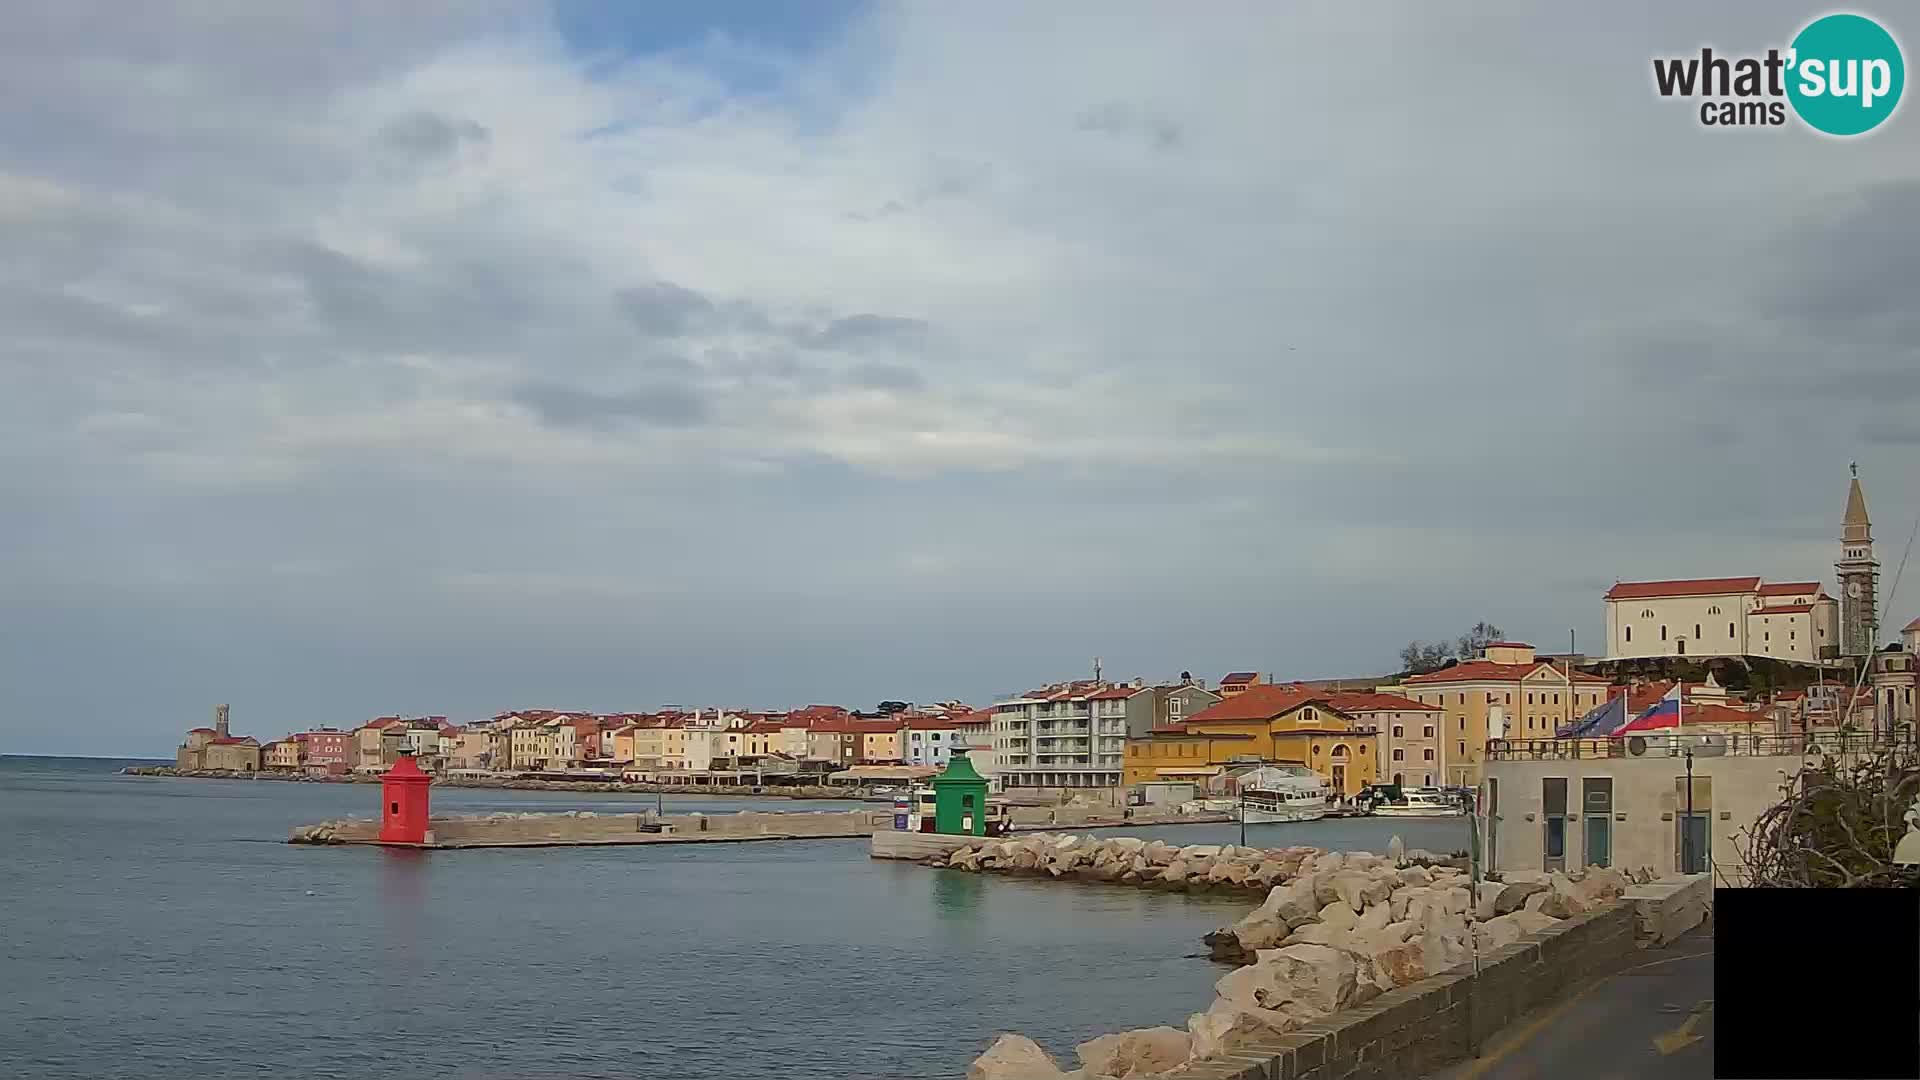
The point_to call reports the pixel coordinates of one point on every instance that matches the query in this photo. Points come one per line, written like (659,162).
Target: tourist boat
(1421,802)
(1271,795)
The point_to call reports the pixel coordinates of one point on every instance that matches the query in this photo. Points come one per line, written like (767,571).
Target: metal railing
(1671,744)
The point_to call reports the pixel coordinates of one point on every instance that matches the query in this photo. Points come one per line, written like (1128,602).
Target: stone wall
(1420,1028)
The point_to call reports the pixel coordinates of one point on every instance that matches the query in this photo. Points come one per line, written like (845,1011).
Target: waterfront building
(833,739)
(1409,748)
(879,741)
(1149,707)
(1504,693)
(326,750)
(1562,804)
(373,748)
(1266,723)
(1069,735)
(217,747)
(929,739)
(282,754)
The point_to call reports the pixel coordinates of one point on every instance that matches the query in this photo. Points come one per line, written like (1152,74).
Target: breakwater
(585,828)
(1335,932)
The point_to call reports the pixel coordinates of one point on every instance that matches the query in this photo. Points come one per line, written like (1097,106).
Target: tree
(1475,640)
(1420,657)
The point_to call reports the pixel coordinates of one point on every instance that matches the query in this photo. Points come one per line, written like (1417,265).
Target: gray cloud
(1136,121)
(662,405)
(430,135)
(876,375)
(663,309)
(854,331)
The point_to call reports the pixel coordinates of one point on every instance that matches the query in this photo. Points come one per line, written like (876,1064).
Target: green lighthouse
(960,799)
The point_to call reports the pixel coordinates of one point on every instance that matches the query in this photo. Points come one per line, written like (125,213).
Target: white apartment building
(1068,735)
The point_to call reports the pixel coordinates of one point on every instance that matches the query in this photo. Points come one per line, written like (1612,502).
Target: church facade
(1752,617)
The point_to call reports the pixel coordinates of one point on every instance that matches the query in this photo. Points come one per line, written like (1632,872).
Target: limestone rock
(1400,965)
(1318,934)
(1531,922)
(1158,853)
(1136,1053)
(1405,903)
(1339,915)
(1502,930)
(1014,1057)
(1294,903)
(1226,1025)
(1375,918)
(1320,977)
(1486,900)
(1537,901)
(1513,895)
(1414,876)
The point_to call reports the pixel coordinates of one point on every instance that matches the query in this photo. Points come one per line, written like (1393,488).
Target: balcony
(1702,743)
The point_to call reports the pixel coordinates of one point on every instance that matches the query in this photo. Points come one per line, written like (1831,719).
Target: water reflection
(958,896)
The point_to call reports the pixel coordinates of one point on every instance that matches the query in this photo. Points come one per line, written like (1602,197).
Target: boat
(1271,795)
(1420,802)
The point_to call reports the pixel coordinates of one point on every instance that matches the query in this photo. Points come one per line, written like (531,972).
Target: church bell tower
(1859,575)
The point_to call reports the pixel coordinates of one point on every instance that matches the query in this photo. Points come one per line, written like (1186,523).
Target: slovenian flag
(1665,713)
(1600,721)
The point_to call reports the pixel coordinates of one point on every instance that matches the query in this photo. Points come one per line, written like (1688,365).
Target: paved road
(1653,1021)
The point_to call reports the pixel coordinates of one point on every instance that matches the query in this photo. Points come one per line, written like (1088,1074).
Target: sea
(162,927)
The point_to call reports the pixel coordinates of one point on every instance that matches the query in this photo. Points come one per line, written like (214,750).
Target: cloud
(663,405)
(481,316)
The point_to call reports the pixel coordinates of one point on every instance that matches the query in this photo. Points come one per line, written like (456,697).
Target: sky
(362,358)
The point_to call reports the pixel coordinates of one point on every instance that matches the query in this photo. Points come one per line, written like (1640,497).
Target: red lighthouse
(403,798)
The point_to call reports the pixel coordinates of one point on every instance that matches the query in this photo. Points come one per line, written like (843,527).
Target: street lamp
(1686,824)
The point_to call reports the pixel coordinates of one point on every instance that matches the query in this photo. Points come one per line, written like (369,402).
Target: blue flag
(1602,720)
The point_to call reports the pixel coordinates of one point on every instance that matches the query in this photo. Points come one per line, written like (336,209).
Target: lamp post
(1686,826)
(1241,790)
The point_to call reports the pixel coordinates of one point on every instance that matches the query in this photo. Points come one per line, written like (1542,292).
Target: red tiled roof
(1240,677)
(1116,693)
(199,730)
(1508,645)
(1783,609)
(1914,625)
(1488,671)
(236,740)
(765,727)
(1177,729)
(1377,702)
(1648,590)
(1262,702)
(1789,588)
(976,718)
(931,723)
(874,727)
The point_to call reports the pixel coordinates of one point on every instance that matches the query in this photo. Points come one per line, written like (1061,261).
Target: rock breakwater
(1335,930)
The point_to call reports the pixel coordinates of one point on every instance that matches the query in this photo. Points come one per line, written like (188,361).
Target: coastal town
(1748,669)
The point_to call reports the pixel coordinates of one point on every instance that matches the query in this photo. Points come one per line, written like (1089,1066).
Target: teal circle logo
(1845,74)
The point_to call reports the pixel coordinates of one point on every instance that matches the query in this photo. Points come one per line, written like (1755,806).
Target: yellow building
(1505,694)
(1263,723)
(283,754)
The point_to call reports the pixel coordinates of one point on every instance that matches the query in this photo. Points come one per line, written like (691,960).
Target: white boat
(1277,794)
(1421,802)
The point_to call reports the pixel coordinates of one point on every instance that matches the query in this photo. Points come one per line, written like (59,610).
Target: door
(1680,647)
(1596,808)
(1695,852)
(1553,825)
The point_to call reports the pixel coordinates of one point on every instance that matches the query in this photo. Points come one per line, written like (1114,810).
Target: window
(1766,637)
(1529,699)
(1556,699)
(1663,632)
(1714,610)
(1399,755)
(1429,780)
(1629,633)
(1509,700)
(1646,613)
(1696,631)
(1463,699)
(1428,755)
(1429,731)
(1399,732)
(1463,749)
(1729,630)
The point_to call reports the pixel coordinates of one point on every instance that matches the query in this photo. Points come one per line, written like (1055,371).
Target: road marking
(1682,1037)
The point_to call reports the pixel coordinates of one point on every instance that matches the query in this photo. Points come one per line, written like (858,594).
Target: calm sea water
(161,928)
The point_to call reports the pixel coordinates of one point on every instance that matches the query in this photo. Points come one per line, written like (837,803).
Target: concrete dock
(588,829)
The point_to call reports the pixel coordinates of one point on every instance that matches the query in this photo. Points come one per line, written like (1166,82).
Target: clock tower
(1859,575)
